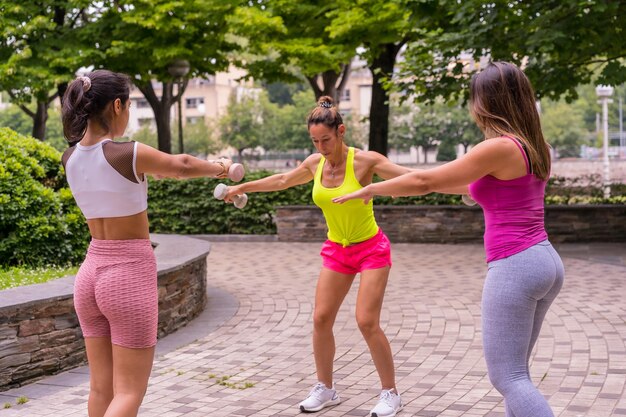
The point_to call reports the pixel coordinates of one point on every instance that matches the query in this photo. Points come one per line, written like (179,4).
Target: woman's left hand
(364,193)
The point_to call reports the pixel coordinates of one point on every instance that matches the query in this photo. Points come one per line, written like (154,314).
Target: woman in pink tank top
(506,174)
(115,290)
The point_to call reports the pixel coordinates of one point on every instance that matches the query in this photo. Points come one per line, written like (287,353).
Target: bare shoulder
(495,146)
(312,160)
(368,157)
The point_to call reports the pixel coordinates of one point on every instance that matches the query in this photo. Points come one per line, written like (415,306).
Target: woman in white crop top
(115,292)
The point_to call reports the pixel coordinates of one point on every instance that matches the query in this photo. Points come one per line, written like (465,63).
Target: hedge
(39,221)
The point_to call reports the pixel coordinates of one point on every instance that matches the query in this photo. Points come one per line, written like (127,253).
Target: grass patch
(18,276)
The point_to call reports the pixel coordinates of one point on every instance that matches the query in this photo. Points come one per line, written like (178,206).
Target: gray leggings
(517,294)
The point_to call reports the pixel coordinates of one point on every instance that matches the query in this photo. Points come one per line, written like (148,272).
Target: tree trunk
(382,66)
(161,108)
(39,121)
(330,86)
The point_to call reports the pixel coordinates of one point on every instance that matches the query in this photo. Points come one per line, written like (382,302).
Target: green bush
(39,222)
(188,207)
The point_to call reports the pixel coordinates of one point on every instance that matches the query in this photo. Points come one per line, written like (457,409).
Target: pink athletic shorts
(115,292)
(373,253)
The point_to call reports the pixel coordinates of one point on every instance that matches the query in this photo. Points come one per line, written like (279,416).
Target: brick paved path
(259,361)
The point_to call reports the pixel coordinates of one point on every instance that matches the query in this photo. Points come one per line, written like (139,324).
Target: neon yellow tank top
(352,221)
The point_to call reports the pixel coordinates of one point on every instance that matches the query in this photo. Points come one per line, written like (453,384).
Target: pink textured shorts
(373,253)
(115,292)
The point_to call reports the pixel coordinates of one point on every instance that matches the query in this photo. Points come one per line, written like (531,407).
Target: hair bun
(326,102)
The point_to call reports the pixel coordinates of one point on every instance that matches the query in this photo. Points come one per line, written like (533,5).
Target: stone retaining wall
(458,224)
(39,331)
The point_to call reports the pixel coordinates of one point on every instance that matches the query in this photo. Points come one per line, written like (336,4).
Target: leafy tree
(383,28)
(39,53)
(242,126)
(15,119)
(144,38)
(563,127)
(282,93)
(146,135)
(201,138)
(285,126)
(561,45)
(430,126)
(285,40)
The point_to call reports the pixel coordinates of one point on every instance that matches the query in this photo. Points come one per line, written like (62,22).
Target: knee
(368,324)
(101,392)
(323,320)
(505,381)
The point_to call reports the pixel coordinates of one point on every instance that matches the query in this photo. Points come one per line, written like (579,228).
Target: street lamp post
(179,69)
(604,92)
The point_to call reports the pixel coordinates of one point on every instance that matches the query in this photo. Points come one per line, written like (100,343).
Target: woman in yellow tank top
(355,245)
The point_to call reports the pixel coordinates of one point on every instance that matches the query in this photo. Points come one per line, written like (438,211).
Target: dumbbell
(235,171)
(239,201)
(469,201)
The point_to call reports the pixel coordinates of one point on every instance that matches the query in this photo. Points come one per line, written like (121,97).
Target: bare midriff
(120,228)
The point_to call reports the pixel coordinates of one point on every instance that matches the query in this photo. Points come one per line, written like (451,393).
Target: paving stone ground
(253,354)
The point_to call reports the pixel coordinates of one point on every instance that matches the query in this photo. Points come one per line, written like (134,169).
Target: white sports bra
(103,179)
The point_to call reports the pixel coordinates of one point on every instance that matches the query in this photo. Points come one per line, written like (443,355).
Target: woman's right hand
(231,192)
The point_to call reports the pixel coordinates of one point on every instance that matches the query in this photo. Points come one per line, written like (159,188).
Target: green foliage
(285,126)
(201,139)
(563,127)
(18,276)
(562,44)
(147,136)
(39,221)
(15,119)
(586,189)
(189,207)
(284,39)
(143,37)
(431,125)
(446,151)
(242,126)
(38,46)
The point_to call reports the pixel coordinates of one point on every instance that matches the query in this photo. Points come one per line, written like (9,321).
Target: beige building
(204,99)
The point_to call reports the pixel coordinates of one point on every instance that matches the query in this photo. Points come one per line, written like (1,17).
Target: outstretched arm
(154,162)
(299,175)
(386,169)
(483,159)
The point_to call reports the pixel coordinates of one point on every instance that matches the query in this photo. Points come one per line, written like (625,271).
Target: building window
(345,95)
(193,120)
(192,103)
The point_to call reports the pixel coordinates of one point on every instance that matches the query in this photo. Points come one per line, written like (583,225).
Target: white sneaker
(388,405)
(319,397)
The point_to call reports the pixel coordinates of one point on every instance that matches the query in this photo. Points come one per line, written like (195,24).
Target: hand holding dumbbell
(235,171)
(239,201)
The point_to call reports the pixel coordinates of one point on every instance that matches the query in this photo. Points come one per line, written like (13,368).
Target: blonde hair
(502,100)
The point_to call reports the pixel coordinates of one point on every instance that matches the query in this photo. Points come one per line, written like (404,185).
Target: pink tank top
(513,211)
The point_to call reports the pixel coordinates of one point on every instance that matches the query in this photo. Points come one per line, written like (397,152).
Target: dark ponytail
(325,113)
(87,98)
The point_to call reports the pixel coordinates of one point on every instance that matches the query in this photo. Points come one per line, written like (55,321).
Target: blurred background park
(237,78)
